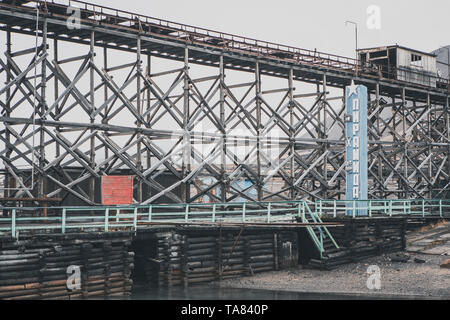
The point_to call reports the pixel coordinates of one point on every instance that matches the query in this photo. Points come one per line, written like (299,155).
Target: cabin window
(416,60)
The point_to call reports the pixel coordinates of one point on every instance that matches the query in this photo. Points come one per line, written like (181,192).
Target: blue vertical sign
(356,149)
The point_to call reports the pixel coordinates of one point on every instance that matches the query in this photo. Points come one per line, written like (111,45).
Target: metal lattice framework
(76,119)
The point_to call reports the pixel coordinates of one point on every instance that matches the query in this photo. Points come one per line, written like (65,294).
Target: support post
(41,188)
(258,129)
(139,111)
(423,208)
(92,120)
(380,162)
(291,132)
(430,150)
(56,94)
(185,166)
(106,219)
(405,163)
(63,221)
(223,188)
(334,208)
(390,208)
(148,105)
(325,134)
(135,218)
(7,193)
(13,223)
(105,94)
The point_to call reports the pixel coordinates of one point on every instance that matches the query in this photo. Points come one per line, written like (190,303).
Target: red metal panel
(117,190)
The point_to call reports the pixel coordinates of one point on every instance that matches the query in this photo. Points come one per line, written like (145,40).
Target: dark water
(210,293)
(216,293)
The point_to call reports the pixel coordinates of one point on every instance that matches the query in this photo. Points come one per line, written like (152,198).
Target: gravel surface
(397,278)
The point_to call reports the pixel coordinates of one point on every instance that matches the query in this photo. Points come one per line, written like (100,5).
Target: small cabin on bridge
(400,63)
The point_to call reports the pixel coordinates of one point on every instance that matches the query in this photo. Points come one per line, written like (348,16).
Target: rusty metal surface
(117,190)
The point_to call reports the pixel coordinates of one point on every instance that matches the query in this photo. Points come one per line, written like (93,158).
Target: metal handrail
(317,242)
(316,218)
(223,212)
(133,217)
(385,207)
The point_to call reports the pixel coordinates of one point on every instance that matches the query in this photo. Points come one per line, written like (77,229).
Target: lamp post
(356,35)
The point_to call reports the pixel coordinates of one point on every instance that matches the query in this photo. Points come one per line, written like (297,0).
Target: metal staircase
(320,235)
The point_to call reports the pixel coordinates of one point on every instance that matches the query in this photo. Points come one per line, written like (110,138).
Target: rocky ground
(397,278)
(409,278)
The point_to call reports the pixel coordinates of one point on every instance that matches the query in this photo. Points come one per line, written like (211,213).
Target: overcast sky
(422,25)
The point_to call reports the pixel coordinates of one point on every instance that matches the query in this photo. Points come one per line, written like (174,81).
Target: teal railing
(387,207)
(304,210)
(110,218)
(113,218)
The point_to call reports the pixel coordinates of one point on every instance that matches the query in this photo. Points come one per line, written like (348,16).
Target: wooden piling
(36,267)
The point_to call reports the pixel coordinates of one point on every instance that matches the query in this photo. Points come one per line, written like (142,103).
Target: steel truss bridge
(69,119)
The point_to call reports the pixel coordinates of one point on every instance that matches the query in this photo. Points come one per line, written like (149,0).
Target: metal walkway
(287,214)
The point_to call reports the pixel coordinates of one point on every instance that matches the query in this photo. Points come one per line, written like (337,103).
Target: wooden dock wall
(362,238)
(36,267)
(191,257)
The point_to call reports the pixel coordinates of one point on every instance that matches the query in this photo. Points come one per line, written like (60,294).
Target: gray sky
(422,25)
